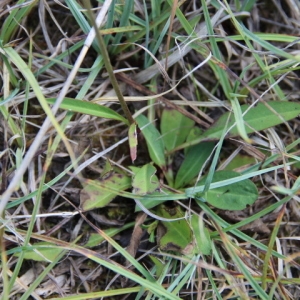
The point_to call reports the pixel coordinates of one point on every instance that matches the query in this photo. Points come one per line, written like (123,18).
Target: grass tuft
(149,149)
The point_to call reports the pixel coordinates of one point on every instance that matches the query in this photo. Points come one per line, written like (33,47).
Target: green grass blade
(88,108)
(156,288)
(13,21)
(124,20)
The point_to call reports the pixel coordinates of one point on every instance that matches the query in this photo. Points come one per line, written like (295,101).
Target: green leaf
(13,20)
(201,234)
(194,134)
(240,124)
(173,235)
(89,108)
(160,266)
(174,128)
(145,181)
(95,239)
(240,161)
(193,162)
(42,251)
(94,197)
(235,196)
(257,118)
(149,203)
(154,141)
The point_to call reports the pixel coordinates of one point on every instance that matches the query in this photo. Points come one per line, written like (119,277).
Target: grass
(155,158)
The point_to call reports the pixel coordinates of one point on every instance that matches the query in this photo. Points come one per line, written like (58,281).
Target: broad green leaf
(145,181)
(194,134)
(174,128)
(201,234)
(154,141)
(173,235)
(94,197)
(133,142)
(235,196)
(240,161)
(192,163)
(89,108)
(257,118)
(42,251)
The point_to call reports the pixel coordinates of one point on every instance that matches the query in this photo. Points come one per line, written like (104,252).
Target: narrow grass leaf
(45,273)
(95,239)
(109,294)
(31,80)
(42,251)
(14,19)
(232,251)
(273,237)
(76,11)
(237,232)
(215,160)
(141,34)
(120,29)
(275,50)
(124,20)
(240,124)
(88,108)
(191,192)
(149,282)
(220,73)
(14,81)
(157,44)
(247,5)
(181,280)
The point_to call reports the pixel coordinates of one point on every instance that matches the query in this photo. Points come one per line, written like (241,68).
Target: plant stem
(108,65)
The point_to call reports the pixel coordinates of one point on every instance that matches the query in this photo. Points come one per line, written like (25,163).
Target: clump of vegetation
(149,150)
